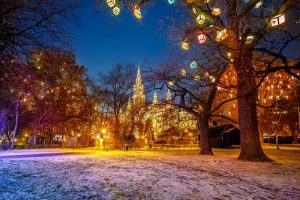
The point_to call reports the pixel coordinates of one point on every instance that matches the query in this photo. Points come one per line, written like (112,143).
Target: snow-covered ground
(173,174)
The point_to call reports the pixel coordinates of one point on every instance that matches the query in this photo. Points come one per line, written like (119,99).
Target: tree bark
(251,148)
(16,126)
(203,135)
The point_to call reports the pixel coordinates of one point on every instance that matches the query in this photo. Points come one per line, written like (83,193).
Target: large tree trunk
(203,135)
(250,141)
(16,126)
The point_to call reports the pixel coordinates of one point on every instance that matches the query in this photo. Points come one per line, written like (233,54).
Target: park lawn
(161,174)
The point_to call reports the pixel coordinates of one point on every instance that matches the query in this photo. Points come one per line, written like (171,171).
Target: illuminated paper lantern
(171,83)
(116,10)
(277,20)
(216,11)
(171,1)
(137,12)
(111,3)
(194,10)
(249,39)
(259,4)
(201,38)
(185,46)
(221,35)
(200,19)
(197,78)
(193,65)
(183,72)
(190,1)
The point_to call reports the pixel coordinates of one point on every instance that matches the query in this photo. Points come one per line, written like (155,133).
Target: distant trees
(114,90)
(28,25)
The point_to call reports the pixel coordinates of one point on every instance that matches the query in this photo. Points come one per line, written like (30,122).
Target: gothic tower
(138,97)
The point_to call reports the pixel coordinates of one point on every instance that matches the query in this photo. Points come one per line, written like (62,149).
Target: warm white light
(137,12)
(185,46)
(116,10)
(200,19)
(111,3)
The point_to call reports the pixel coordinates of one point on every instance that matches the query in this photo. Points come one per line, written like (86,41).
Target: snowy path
(148,175)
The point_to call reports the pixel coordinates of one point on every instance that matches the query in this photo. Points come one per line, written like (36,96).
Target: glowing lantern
(216,11)
(249,39)
(259,4)
(194,10)
(183,72)
(111,3)
(201,38)
(190,1)
(171,83)
(185,46)
(137,12)
(116,10)
(221,35)
(200,19)
(193,65)
(171,1)
(197,78)
(277,20)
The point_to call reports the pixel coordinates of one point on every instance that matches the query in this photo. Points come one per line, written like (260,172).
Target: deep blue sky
(103,40)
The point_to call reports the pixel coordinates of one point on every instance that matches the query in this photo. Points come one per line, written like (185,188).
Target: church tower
(155,99)
(138,97)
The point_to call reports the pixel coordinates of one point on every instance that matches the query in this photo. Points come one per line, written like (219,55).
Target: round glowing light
(201,38)
(185,46)
(171,1)
(216,11)
(111,3)
(200,19)
(137,12)
(171,83)
(116,10)
(193,65)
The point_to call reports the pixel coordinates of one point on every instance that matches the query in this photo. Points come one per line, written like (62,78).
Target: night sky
(103,40)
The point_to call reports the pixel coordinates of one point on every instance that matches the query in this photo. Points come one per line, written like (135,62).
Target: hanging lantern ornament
(277,20)
(193,64)
(190,1)
(194,10)
(216,11)
(137,12)
(201,38)
(197,78)
(171,1)
(111,3)
(249,39)
(221,35)
(185,46)
(183,72)
(116,10)
(200,19)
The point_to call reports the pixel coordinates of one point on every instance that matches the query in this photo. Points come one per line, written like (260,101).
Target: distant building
(162,116)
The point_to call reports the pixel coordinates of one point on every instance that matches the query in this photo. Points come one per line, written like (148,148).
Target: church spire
(155,99)
(138,89)
(169,96)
